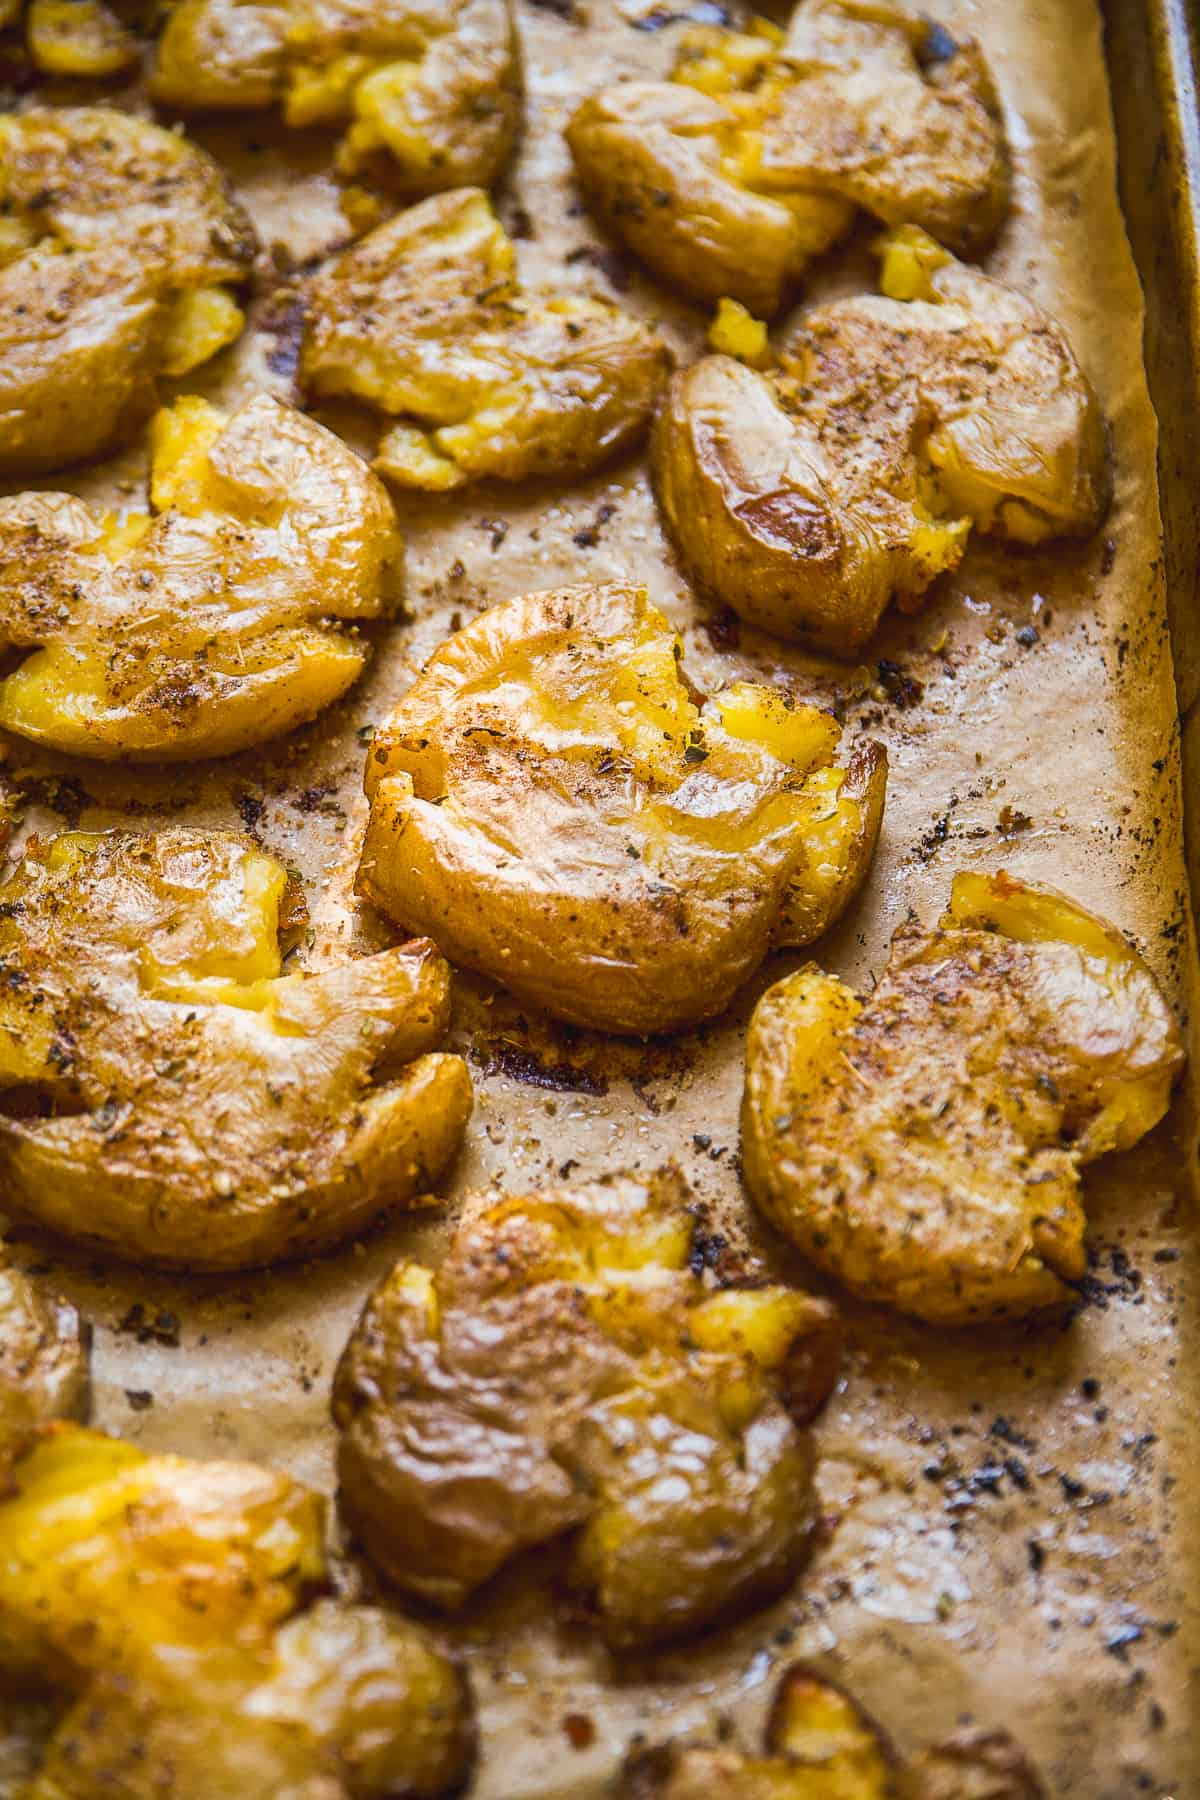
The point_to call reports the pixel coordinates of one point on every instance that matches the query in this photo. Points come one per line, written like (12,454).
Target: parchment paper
(1010,1524)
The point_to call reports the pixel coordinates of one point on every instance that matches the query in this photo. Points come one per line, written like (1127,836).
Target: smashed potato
(82,38)
(189,1105)
(426,92)
(821,1745)
(90,316)
(426,320)
(161,1600)
(551,804)
(729,178)
(808,497)
(923,1144)
(567,1369)
(206,627)
(43,1363)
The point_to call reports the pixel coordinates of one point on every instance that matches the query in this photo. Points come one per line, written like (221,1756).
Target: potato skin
(43,1363)
(425,320)
(164,1604)
(550,805)
(729,178)
(85,317)
(808,497)
(923,1145)
(648,154)
(530,1389)
(212,631)
(820,1744)
(211,1112)
(429,95)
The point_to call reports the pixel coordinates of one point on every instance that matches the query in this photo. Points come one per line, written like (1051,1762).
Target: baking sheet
(1010,1532)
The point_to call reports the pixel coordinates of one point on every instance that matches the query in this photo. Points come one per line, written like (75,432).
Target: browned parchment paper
(1011,1526)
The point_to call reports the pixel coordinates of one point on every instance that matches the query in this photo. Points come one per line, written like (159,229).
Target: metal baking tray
(1010,1519)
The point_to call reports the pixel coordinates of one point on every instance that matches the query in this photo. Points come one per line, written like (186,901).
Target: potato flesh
(426,321)
(202,1109)
(90,322)
(730,178)
(565,1370)
(821,1745)
(163,1594)
(427,95)
(551,805)
(807,498)
(924,1145)
(211,625)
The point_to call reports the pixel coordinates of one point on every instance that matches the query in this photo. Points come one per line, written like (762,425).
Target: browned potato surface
(43,1363)
(566,1370)
(809,496)
(427,93)
(552,804)
(188,1104)
(821,1745)
(205,626)
(160,1601)
(923,1144)
(729,178)
(83,38)
(426,320)
(91,316)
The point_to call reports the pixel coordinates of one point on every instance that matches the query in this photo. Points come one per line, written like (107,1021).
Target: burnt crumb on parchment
(723,628)
(250,809)
(520,1063)
(613,264)
(148,1326)
(897,686)
(588,536)
(61,794)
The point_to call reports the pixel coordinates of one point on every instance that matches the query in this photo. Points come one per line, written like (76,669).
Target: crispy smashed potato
(91,316)
(924,1144)
(204,628)
(729,178)
(426,320)
(808,497)
(43,1363)
(551,804)
(82,38)
(567,1370)
(161,1599)
(189,1105)
(426,92)
(821,1745)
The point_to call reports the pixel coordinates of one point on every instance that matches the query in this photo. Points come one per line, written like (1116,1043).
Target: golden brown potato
(207,626)
(554,807)
(808,497)
(43,1363)
(426,320)
(83,38)
(189,1105)
(159,1600)
(427,92)
(566,1370)
(90,316)
(821,1745)
(731,177)
(924,1144)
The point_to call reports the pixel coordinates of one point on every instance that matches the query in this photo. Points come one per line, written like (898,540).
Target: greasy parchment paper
(1010,1525)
